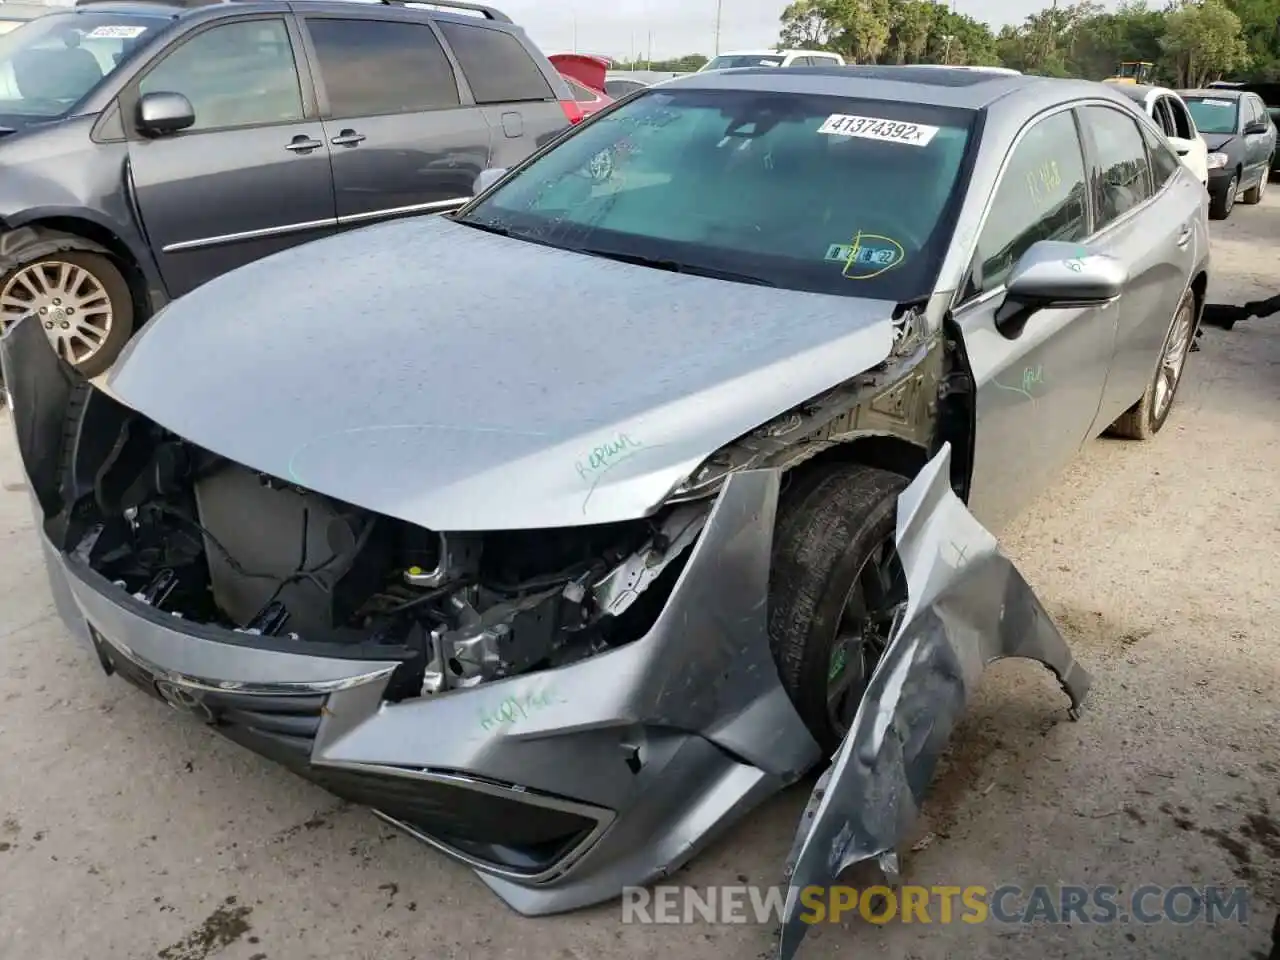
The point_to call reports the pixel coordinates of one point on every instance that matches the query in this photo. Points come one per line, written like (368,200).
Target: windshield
(49,64)
(1213,115)
(805,192)
(746,60)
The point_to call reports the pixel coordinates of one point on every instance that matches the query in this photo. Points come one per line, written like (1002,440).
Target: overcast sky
(685,26)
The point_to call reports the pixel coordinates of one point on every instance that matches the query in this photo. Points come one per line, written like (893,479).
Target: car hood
(1216,141)
(460,380)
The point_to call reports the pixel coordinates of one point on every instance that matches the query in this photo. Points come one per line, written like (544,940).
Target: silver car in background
(564,531)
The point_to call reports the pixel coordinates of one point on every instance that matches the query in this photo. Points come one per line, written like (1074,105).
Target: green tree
(1203,41)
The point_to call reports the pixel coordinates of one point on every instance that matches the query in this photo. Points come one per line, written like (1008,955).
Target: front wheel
(1147,416)
(81,300)
(1221,204)
(835,586)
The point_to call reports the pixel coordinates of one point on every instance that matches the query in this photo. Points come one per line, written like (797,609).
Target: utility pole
(719,14)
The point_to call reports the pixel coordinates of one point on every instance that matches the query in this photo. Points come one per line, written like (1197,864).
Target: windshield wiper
(675,266)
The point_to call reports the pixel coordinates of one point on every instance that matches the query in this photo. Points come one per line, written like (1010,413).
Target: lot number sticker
(873,128)
(115,33)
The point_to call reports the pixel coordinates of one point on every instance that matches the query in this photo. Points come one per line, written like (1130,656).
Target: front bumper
(560,787)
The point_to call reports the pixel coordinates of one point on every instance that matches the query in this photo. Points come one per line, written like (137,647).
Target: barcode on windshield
(875,128)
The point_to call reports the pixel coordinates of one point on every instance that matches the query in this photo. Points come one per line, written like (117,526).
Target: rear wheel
(81,300)
(1221,204)
(836,585)
(1255,194)
(1149,414)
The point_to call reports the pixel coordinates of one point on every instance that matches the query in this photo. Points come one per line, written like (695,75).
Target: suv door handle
(347,138)
(302,144)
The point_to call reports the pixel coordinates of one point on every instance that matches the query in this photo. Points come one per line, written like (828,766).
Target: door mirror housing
(1053,274)
(1256,126)
(162,113)
(487,179)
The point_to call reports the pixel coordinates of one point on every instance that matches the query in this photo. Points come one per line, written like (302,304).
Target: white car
(773,58)
(1171,115)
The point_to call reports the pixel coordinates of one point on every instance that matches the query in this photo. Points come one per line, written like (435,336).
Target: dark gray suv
(149,147)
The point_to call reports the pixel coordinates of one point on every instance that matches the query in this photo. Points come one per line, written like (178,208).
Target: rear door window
(373,68)
(1164,163)
(1120,170)
(496,64)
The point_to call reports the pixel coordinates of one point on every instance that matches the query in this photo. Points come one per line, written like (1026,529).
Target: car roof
(775,53)
(1215,93)
(1141,91)
(174,8)
(938,86)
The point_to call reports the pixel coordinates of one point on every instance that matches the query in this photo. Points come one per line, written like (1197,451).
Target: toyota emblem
(184,700)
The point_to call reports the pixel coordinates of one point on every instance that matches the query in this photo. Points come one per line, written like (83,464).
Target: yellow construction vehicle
(1133,71)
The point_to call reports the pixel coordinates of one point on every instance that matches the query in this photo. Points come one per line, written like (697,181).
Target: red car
(585,76)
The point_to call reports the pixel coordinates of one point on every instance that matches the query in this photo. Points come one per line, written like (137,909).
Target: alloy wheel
(72,305)
(1173,360)
(862,635)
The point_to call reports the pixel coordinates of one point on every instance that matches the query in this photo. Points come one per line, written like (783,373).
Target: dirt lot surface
(127,832)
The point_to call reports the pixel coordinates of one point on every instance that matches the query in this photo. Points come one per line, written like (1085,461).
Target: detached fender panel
(967,606)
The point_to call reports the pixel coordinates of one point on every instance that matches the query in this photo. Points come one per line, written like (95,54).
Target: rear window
(496,65)
(843,196)
(735,62)
(582,94)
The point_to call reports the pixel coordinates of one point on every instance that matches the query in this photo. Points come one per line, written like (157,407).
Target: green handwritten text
(519,707)
(603,457)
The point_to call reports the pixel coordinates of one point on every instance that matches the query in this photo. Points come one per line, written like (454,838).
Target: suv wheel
(81,300)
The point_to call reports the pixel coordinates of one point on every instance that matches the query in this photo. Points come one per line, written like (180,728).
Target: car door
(402,140)
(1149,216)
(1181,131)
(1037,394)
(1262,144)
(251,175)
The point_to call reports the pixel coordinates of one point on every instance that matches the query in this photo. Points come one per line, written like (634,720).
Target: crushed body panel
(967,606)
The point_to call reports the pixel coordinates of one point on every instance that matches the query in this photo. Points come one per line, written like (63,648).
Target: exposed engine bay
(208,540)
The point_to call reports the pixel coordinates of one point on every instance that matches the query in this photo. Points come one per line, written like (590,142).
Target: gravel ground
(125,832)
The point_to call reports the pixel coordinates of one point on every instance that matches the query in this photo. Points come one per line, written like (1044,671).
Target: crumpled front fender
(967,606)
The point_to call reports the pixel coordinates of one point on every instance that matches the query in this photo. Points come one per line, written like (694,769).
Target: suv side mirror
(487,179)
(1256,126)
(161,113)
(1053,274)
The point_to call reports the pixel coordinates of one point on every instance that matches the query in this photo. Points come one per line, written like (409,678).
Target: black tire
(1222,203)
(1255,193)
(830,525)
(113,283)
(1141,421)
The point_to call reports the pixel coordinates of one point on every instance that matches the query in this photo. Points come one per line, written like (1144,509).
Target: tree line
(1190,42)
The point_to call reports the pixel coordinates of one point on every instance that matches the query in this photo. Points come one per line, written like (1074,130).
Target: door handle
(302,144)
(348,138)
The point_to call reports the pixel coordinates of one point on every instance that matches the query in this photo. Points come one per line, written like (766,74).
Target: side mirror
(487,179)
(1256,126)
(161,113)
(1053,274)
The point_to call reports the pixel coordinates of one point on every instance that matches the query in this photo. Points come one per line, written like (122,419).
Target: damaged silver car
(563,531)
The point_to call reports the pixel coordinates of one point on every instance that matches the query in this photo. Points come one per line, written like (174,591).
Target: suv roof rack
(489,13)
